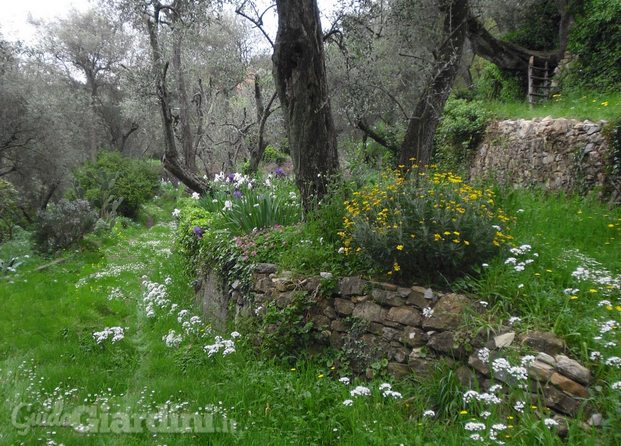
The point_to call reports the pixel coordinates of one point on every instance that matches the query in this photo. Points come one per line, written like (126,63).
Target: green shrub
(494,84)
(461,128)
(63,224)
(429,225)
(271,155)
(137,180)
(10,214)
(595,43)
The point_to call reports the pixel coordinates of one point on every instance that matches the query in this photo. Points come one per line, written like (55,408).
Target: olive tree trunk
(418,141)
(300,76)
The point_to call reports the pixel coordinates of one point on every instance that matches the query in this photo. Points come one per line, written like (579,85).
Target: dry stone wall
(558,154)
(415,329)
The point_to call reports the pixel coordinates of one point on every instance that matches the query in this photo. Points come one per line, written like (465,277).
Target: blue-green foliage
(246,204)
(63,224)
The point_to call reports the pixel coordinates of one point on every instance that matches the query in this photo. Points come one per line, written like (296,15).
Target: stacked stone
(416,328)
(558,154)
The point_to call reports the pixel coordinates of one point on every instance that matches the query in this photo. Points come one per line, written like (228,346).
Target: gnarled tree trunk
(418,141)
(300,77)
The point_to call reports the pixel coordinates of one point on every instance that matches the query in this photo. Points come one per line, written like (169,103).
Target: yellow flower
(466,242)
(396,267)
(608,307)
(320,376)
(592,290)
(447,233)
(463,412)
(573,297)
(611,225)
(412,235)
(455,241)
(400,247)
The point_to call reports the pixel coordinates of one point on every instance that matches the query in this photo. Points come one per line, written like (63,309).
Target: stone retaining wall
(414,328)
(558,154)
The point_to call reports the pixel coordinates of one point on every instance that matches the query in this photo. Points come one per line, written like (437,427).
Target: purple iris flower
(279,173)
(231,177)
(237,194)
(198,232)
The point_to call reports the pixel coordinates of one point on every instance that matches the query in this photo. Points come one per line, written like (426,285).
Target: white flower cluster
(344,380)
(429,413)
(428,312)
(157,297)
(237,180)
(486,398)
(592,270)
(501,365)
(527,360)
(550,422)
(475,426)
(616,385)
(172,339)
(117,334)
(226,345)
(196,196)
(519,406)
(176,212)
(483,355)
(514,319)
(360,391)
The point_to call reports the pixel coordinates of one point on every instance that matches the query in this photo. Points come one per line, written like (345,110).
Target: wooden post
(531,87)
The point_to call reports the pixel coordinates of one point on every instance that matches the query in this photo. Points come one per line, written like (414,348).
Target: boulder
(405,315)
(446,313)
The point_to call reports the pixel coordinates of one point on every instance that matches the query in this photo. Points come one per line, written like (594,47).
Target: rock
(265,268)
(445,344)
(399,354)
(596,420)
(387,286)
(375,328)
(369,311)
(417,298)
(286,275)
(421,368)
(340,325)
(329,312)
(404,292)
(573,370)
(544,357)
(324,275)
(343,307)
(568,385)
(262,285)
(398,370)
(284,299)
(236,284)
(429,294)
(405,315)
(480,366)
(466,377)
(559,401)
(311,284)
(320,321)
(385,297)
(414,337)
(351,286)
(540,371)
(388,334)
(504,340)
(447,313)
(543,341)
(337,340)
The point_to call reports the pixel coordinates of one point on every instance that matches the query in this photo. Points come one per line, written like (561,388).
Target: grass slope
(48,354)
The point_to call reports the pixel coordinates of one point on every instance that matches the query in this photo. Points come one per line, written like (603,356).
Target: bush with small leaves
(63,224)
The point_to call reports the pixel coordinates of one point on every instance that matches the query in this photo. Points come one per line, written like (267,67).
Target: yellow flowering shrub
(427,224)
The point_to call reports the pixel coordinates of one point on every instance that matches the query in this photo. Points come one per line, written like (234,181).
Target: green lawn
(48,355)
